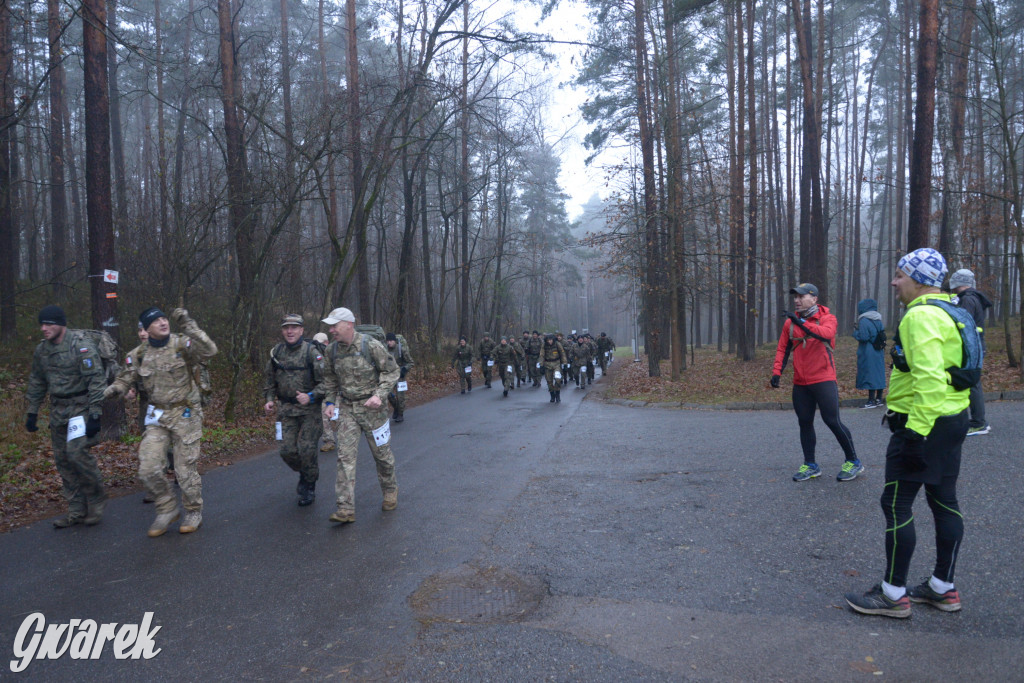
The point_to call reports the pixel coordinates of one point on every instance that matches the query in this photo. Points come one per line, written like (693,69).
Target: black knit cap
(53,315)
(390,336)
(148,316)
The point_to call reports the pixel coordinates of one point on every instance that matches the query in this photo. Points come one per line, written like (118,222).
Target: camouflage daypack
(107,349)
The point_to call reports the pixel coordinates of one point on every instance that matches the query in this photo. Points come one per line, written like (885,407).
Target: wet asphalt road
(580,541)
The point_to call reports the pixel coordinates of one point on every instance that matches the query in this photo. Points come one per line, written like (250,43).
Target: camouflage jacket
(505,355)
(554,353)
(291,370)
(401,353)
(165,373)
(604,344)
(463,357)
(535,346)
(359,370)
(72,373)
(486,348)
(582,353)
(518,348)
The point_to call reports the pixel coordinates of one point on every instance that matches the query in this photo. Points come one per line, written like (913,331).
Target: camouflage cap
(292,319)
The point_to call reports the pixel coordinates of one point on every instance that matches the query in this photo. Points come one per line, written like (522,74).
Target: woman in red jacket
(808,336)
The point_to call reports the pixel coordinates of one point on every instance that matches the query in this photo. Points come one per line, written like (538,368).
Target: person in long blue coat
(870,361)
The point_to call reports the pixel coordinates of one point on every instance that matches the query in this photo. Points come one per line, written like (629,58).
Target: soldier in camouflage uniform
(360,374)
(164,367)
(295,375)
(533,350)
(505,357)
(554,358)
(399,350)
(327,444)
(462,361)
(486,349)
(604,345)
(520,357)
(568,358)
(68,366)
(592,346)
(581,358)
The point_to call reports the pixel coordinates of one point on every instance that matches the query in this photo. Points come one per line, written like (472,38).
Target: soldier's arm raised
(199,346)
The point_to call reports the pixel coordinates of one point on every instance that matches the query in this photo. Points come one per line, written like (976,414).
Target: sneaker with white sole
(850,470)
(978,431)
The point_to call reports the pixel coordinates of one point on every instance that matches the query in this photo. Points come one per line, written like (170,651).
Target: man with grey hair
(962,284)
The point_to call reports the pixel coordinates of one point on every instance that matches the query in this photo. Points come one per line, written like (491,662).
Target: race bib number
(152,415)
(468,369)
(508,369)
(277,431)
(558,374)
(382,434)
(403,386)
(490,363)
(76,428)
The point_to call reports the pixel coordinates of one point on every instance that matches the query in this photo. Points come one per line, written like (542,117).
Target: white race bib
(558,374)
(76,428)
(277,431)
(153,415)
(337,412)
(490,363)
(382,434)
(403,386)
(468,369)
(538,366)
(508,369)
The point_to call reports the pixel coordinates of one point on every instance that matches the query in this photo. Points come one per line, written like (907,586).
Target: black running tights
(825,397)
(900,538)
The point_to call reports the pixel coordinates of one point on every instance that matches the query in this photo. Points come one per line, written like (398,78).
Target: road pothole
(478,595)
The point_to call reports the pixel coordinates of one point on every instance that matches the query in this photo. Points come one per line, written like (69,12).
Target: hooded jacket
(870,361)
(813,359)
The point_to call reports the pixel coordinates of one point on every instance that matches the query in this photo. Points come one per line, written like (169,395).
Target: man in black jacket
(974,302)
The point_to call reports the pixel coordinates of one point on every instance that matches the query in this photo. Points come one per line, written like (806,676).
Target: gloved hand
(794,317)
(179,316)
(912,449)
(774,383)
(403,373)
(92,426)
(30,422)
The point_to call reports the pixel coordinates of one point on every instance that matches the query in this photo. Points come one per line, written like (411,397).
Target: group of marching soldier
(524,361)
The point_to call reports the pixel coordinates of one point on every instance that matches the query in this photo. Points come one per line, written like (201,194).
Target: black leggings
(900,538)
(825,397)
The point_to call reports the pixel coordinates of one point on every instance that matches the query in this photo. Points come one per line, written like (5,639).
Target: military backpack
(107,349)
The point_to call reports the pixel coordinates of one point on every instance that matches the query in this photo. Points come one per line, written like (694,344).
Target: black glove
(403,373)
(794,317)
(775,381)
(912,449)
(92,426)
(30,422)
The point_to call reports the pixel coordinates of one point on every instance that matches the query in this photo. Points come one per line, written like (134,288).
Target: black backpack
(879,341)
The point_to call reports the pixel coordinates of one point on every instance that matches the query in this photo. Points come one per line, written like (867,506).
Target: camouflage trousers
(532,370)
(485,370)
(353,420)
(465,378)
(79,473)
(184,433)
(329,429)
(602,360)
(550,368)
(397,399)
(299,437)
(507,376)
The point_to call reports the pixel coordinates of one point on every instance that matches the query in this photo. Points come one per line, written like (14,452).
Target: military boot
(327,447)
(469,384)
(558,397)
(505,393)
(342,516)
(308,493)
(193,520)
(390,500)
(67,520)
(95,512)
(552,395)
(162,521)
(399,416)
